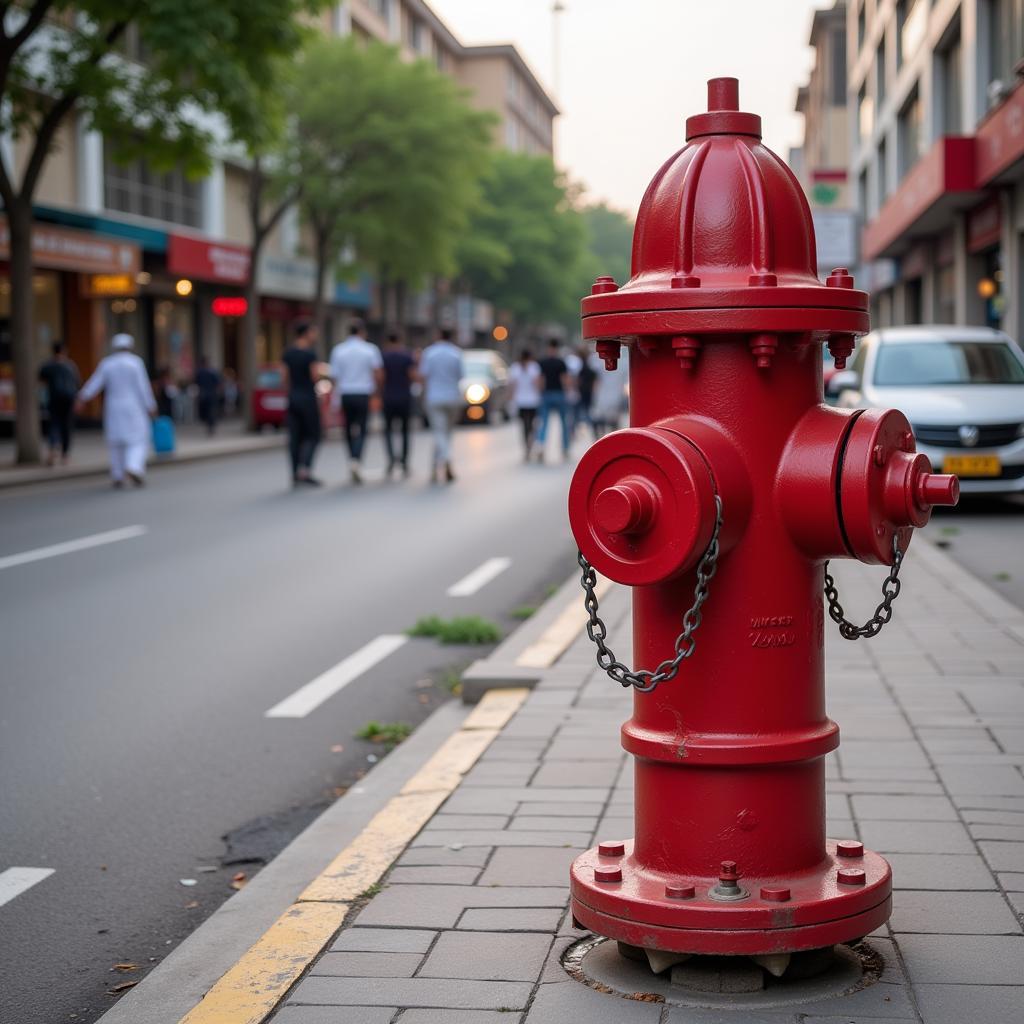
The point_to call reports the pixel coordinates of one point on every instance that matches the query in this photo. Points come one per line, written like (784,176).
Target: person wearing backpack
(60,377)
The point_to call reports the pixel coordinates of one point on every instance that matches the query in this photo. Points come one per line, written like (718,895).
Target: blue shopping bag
(163,435)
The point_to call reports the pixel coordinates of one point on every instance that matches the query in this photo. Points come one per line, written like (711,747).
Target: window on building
(441,59)
(415,34)
(865,112)
(163,195)
(1002,29)
(911,24)
(951,86)
(880,75)
(382,8)
(883,172)
(910,133)
(862,193)
(838,76)
(512,134)
(512,84)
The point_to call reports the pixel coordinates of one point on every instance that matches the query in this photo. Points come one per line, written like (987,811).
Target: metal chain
(883,613)
(645,680)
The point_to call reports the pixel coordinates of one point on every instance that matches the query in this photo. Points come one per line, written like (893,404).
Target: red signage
(208,261)
(947,167)
(68,249)
(984,225)
(229,305)
(1000,139)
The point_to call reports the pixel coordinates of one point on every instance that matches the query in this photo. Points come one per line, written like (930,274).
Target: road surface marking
(479,577)
(309,697)
(66,547)
(250,990)
(14,881)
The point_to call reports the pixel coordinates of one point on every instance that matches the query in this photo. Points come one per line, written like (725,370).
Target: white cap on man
(122,341)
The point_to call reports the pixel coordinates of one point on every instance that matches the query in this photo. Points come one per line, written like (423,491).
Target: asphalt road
(137,674)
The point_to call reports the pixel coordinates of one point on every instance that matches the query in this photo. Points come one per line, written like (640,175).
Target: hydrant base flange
(838,900)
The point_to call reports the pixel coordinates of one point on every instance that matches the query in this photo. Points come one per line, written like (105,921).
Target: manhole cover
(598,963)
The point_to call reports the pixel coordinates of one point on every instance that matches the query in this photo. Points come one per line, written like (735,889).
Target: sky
(632,71)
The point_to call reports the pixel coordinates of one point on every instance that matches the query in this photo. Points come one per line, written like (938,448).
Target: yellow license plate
(972,465)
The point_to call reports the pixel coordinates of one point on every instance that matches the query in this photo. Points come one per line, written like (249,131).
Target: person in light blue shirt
(441,371)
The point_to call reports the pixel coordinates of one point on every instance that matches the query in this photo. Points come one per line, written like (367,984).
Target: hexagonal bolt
(775,893)
(604,284)
(684,281)
(611,849)
(840,346)
(849,848)
(675,891)
(607,874)
(686,348)
(763,348)
(839,278)
(608,350)
(851,876)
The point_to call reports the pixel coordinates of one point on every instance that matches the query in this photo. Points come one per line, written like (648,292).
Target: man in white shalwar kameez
(128,404)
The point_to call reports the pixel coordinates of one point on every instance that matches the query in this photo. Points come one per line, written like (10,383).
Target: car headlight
(477,394)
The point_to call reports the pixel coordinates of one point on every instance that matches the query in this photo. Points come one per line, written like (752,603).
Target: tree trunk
(319,299)
(23,348)
(401,305)
(250,331)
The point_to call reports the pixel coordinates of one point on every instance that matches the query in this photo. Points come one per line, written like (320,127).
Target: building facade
(165,258)
(936,100)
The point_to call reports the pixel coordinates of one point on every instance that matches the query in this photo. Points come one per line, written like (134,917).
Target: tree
(609,240)
(525,247)
(204,63)
(389,154)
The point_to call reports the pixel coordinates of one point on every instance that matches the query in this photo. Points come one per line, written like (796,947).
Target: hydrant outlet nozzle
(937,489)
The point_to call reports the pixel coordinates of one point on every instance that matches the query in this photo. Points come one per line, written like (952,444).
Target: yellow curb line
(252,988)
(553,642)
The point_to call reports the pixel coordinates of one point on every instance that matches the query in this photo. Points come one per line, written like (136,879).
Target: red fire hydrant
(721,505)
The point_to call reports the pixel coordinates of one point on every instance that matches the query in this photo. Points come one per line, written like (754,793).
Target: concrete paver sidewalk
(89,452)
(471,922)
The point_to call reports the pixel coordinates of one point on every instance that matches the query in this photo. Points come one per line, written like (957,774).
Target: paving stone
(1004,856)
(567,748)
(384,940)
(367,965)
(420,1016)
(511,919)
(969,780)
(444,993)
(916,837)
(1017,901)
(1012,881)
(567,1002)
(501,773)
(529,866)
(543,823)
(569,773)
(487,956)
(679,1015)
(880,1002)
(976,1004)
(899,787)
(439,906)
(456,821)
(953,913)
(882,753)
(434,875)
(938,871)
(506,799)
(562,808)
(466,856)
(335,1014)
(964,959)
(501,837)
(903,808)
(1011,740)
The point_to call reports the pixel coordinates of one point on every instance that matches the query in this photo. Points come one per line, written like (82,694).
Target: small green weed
(388,734)
(370,891)
(551,589)
(523,612)
(1003,577)
(463,629)
(451,680)
(950,531)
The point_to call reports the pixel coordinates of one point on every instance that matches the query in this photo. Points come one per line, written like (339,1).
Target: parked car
(270,400)
(484,385)
(962,388)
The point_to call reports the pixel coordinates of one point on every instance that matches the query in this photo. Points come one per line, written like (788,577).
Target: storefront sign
(287,277)
(101,286)
(1000,138)
(229,305)
(208,261)
(835,233)
(66,249)
(984,225)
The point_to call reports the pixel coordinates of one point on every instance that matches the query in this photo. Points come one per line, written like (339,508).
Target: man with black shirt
(399,367)
(555,374)
(303,410)
(60,375)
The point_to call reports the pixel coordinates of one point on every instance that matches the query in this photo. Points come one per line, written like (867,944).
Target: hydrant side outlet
(735,482)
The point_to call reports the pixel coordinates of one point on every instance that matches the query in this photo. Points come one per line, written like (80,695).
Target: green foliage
(389,734)
(523,612)
(451,680)
(370,891)
(389,154)
(527,243)
(463,629)
(609,242)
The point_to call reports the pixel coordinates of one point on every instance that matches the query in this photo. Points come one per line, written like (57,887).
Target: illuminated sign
(99,286)
(229,305)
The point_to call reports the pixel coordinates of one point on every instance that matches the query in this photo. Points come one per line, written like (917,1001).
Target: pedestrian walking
(556,382)
(167,393)
(609,394)
(128,404)
(399,368)
(303,409)
(60,377)
(526,381)
(586,378)
(442,372)
(358,371)
(208,385)
(573,364)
